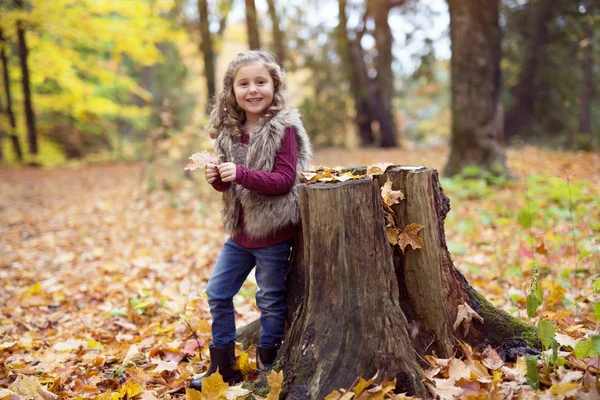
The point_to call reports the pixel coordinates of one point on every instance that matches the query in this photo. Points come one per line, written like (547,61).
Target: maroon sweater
(277,182)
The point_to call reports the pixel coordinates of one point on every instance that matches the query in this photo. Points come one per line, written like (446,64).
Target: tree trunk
(385,76)
(477,116)
(363,119)
(207,53)
(524,93)
(359,306)
(278,42)
(252,25)
(9,109)
(27,98)
(587,76)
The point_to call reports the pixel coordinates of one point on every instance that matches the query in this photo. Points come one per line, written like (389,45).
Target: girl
(263,145)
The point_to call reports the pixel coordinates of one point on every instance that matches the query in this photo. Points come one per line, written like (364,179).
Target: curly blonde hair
(226,113)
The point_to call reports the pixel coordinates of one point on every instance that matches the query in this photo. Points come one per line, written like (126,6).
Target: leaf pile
(103,270)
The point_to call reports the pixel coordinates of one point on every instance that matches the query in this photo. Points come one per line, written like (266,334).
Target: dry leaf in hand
(200,160)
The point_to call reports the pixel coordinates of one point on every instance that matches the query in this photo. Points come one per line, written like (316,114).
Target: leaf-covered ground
(103,270)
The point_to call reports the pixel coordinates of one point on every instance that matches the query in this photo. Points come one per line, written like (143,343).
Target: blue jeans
(233,266)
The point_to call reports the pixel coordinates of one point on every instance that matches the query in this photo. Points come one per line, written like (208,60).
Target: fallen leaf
(409,236)
(444,388)
(234,392)
(131,354)
(541,249)
(362,385)
(563,388)
(243,364)
(162,365)
(565,340)
(378,168)
(464,316)
(213,387)
(200,160)
(275,381)
(392,234)
(491,358)
(390,196)
(457,370)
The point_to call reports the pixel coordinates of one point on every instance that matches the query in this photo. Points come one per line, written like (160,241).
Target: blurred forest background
(128,80)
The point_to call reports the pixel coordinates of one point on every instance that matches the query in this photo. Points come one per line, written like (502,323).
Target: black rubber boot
(265,357)
(222,359)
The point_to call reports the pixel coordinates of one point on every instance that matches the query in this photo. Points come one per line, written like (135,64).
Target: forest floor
(103,270)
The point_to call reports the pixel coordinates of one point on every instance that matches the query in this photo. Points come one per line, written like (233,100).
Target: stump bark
(358,306)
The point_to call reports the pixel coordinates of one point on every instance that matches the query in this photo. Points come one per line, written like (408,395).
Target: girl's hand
(211,172)
(227,171)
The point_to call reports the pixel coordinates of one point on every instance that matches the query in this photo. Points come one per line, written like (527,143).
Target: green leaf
(597,310)
(525,218)
(596,285)
(532,304)
(546,333)
(539,294)
(596,343)
(585,348)
(115,312)
(533,377)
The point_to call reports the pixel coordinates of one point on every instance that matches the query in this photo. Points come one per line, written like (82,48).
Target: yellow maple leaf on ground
(362,385)
(409,236)
(275,381)
(243,364)
(213,388)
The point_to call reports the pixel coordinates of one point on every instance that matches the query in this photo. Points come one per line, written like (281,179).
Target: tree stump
(358,306)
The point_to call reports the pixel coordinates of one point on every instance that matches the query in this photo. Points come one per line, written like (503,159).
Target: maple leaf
(390,196)
(275,381)
(192,394)
(444,388)
(200,160)
(213,387)
(362,385)
(464,316)
(409,237)
(163,365)
(243,364)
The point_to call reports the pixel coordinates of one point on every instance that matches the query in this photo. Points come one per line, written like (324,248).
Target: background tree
(252,25)
(206,49)
(7,111)
(477,120)
(278,41)
(518,115)
(25,81)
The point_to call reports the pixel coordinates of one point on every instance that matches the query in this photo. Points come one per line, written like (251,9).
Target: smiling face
(253,88)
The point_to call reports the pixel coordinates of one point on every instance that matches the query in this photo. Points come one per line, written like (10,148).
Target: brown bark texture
(252,25)
(477,114)
(207,52)
(358,306)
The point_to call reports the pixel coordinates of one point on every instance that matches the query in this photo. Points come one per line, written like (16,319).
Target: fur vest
(264,214)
